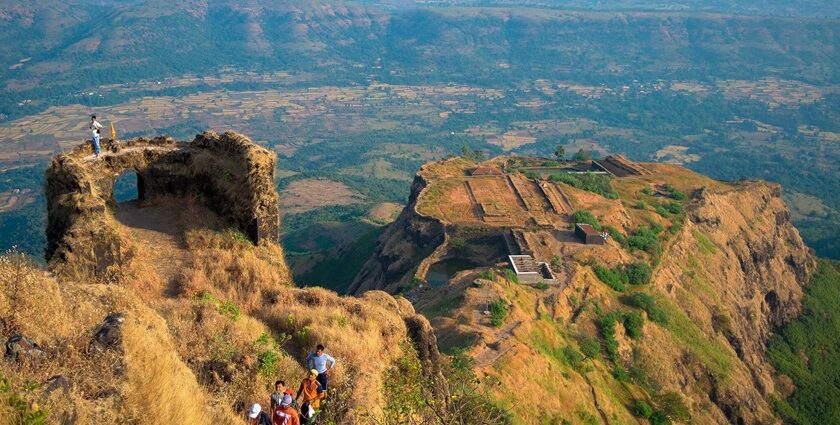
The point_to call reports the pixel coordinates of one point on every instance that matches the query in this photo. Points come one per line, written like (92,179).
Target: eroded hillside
(668,319)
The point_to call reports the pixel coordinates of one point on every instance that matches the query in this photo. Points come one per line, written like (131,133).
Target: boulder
(19,347)
(109,333)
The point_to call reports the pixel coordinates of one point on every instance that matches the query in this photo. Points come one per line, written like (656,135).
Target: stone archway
(230,174)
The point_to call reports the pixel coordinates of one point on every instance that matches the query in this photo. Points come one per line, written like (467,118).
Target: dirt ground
(156,229)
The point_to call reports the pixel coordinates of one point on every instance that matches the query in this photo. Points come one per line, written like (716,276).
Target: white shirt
(95,125)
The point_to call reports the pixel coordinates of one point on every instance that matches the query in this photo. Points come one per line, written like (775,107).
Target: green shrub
(586,217)
(487,275)
(646,239)
(457,243)
(19,409)
(230,310)
(671,405)
(642,409)
(541,285)
(614,278)
(658,418)
(511,276)
(620,374)
(268,362)
(595,183)
(674,207)
(532,175)
(498,312)
(647,191)
(225,308)
(606,324)
(673,193)
(648,304)
(573,358)
(590,347)
(638,273)
(641,205)
(633,323)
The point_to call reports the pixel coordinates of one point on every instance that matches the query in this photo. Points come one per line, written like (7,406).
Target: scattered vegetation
(487,275)
(606,324)
(646,239)
(541,286)
(498,312)
(582,216)
(590,347)
(805,350)
(648,304)
(268,354)
(226,308)
(411,397)
(633,323)
(616,235)
(673,193)
(474,155)
(573,358)
(15,407)
(511,276)
(614,278)
(642,409)
(617,278)
(672,406)
(595,183)
(638,273)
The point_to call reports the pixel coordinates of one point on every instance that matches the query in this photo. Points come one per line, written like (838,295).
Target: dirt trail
(156,228)
(492,351)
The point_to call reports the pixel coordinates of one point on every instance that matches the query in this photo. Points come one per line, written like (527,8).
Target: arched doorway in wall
(128,187)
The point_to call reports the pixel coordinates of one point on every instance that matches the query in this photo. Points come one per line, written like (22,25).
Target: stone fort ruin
(227,172)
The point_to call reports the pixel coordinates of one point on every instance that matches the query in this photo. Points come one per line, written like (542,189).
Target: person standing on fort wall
(94,131)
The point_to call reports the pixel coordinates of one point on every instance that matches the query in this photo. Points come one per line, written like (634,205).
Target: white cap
(255,411)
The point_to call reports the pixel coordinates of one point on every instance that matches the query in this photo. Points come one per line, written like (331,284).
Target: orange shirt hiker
(311,389)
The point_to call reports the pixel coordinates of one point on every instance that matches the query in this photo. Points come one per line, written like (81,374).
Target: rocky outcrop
(229,173)
(401,248)
(728,275)
(754,267)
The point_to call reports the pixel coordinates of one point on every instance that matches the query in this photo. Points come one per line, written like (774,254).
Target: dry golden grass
(159,387)
(143,380)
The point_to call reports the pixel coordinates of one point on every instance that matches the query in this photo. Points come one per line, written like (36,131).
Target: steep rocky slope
(192,321)
(728,268)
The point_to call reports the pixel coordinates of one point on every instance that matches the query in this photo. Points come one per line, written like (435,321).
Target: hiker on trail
(312,390)
(256,416)
(284,414)
(279,391)
(94,131)
(322,362)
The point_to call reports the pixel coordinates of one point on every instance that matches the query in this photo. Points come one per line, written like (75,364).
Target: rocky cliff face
(401,248)
(737,270)
(728,276)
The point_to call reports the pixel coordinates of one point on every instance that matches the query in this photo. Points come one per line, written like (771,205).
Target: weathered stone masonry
(233,176)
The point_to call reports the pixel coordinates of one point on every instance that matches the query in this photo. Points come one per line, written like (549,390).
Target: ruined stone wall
(229,173)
